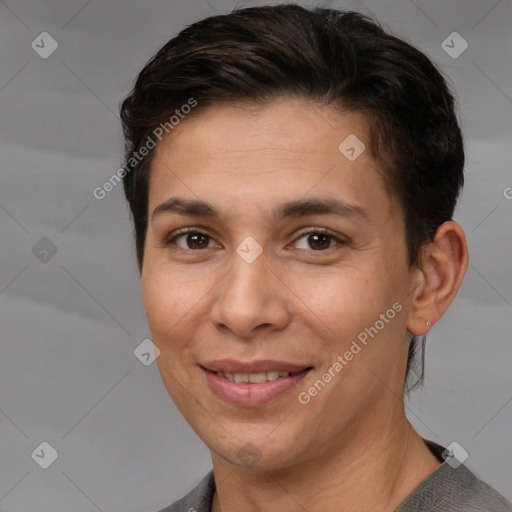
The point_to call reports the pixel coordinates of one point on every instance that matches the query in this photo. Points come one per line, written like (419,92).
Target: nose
(251,298)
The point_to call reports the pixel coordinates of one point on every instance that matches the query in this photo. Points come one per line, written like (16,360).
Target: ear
(443,265)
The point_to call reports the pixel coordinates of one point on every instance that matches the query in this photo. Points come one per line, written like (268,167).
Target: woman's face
(251,291)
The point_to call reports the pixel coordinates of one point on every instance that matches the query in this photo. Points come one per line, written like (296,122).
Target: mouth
(268,366)
(258,378)
(252,384)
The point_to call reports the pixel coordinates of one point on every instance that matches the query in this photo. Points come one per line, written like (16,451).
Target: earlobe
(443,266)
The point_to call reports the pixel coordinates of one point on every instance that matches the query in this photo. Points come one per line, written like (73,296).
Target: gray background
(70,324)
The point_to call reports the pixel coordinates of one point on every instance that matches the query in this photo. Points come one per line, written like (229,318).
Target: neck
(374,471)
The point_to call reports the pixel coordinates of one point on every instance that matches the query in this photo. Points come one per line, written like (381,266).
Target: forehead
(285,125)
(288,148)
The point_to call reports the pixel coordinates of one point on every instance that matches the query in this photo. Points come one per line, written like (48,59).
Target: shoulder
(198,499)
(454,489)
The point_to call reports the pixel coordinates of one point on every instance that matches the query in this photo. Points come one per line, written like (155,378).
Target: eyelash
(312,231)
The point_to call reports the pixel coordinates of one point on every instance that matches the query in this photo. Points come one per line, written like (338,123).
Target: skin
(351,446)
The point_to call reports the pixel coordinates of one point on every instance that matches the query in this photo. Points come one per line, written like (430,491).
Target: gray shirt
(446,489)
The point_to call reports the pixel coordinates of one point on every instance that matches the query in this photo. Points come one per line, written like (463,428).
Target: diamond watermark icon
(44,45)
(44,250)
(249,249)
(146,352)
(249,454)
(351,147)
(454,45)
(45,455)
(454,455)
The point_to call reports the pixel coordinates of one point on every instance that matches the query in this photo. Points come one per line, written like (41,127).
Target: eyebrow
(296,208)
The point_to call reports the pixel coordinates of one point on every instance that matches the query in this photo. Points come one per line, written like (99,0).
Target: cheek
(175,308)
(155,302)
(341,299)
(166,315)
(164,304)
(346,308)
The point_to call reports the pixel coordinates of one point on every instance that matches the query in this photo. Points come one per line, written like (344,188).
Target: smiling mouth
(267,381)
(257,378)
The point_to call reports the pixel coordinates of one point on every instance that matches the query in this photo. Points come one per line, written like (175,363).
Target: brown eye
(197,239)
(194,240)
(318,240)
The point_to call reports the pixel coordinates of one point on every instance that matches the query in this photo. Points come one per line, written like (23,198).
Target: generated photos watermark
(137,156)
(304,397)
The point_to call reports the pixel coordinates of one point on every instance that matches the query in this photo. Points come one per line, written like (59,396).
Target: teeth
(254,378)
(257,378)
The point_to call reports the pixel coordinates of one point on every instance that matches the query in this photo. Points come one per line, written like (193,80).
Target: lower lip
(248,394)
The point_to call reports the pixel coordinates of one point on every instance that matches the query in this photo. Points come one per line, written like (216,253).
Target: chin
(256,455)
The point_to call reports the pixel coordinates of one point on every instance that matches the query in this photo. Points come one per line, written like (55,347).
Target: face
(251,288)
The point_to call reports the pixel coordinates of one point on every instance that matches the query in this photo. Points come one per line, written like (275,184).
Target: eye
(319,239)
(194,239)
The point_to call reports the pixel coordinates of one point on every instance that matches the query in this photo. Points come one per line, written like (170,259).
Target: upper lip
(232,366)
